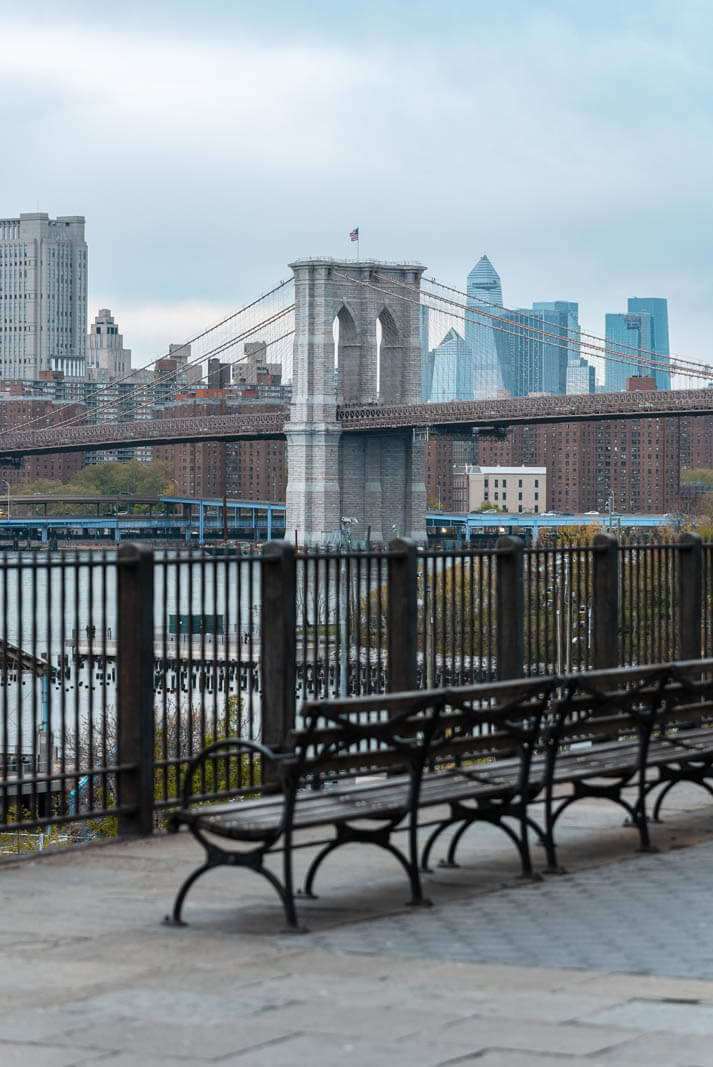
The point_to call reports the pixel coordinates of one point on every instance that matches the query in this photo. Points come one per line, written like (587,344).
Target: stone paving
(609,964)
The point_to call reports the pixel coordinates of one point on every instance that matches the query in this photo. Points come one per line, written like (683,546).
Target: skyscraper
(43,295)
(490,350)
(451,370)
(628,339)
(561,318)
(645,329)
(580,376)
(657,308)
(107,359)
(542,340)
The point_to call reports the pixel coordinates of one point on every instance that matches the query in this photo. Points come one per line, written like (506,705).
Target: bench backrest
(499,720)
(435,728)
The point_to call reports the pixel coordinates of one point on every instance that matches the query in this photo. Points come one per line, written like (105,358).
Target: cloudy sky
(210,143)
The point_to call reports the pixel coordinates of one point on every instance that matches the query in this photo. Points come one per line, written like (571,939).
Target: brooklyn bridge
(358,419)
(355,363)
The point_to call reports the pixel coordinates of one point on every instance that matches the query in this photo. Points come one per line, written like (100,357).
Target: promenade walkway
(610,964)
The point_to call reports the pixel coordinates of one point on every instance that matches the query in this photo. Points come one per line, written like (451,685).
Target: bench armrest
(227,743)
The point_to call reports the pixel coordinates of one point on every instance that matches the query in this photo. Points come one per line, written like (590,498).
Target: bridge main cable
(554,340)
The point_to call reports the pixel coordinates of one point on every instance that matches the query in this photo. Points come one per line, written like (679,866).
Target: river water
(53,606)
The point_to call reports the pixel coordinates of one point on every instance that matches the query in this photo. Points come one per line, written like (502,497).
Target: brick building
(19,407)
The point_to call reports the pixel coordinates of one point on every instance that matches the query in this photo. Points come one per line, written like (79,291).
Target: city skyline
(218,144)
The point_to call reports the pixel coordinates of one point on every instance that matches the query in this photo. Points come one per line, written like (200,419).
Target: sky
(209,144)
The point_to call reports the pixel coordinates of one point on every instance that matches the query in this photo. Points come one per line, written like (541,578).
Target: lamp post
(345,524)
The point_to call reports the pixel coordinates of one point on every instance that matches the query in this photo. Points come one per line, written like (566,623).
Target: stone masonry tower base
(377,479)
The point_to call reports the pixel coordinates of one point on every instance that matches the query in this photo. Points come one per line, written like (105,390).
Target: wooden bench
(369,768)
(365,768)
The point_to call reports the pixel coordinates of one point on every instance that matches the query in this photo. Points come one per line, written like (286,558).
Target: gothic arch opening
(346,342)
(388,360)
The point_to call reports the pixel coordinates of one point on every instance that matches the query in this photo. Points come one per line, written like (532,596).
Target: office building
(542,339)
(486,334)
(43,296)
(638,340)
(580,376)
(657,308)
(451,370)
(107,359)
(561,330)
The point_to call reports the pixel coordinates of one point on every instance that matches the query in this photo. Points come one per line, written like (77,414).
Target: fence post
(510,613)
(690,596)
(402,615)
(135,726)
(278,641)
(605,602)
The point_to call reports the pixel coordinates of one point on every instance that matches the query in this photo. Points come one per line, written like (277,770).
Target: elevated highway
(246,425)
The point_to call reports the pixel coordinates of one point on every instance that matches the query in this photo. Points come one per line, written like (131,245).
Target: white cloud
(576,151)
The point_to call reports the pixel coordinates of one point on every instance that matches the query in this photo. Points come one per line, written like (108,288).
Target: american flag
(354,235)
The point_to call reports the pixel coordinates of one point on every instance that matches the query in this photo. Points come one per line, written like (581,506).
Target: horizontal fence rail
(117,668)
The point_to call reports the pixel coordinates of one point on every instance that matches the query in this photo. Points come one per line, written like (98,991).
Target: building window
(537,497)
(537,483)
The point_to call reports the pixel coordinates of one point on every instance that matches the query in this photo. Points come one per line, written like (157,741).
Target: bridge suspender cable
(148,403)
(657,361)
(147,389)
(689,368)
(576,333)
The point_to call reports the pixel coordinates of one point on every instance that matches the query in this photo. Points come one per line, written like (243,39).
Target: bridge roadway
(246,425)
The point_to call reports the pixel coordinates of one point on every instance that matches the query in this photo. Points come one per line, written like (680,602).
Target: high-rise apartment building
(638,340)
(43,296)
(107,359)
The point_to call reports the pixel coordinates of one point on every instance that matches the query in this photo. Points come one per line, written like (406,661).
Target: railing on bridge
(247,424)
(116,668)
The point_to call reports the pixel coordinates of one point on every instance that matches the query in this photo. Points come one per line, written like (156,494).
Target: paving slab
(588,968)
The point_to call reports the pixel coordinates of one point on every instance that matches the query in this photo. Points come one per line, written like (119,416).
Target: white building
(107,359)
(43,296)
(513,489)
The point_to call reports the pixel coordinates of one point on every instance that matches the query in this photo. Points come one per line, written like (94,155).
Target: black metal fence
(116,668)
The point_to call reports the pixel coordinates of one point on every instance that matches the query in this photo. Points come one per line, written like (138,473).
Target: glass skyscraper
(657,307)
(559,317)
(489,347)
(544,338)
(628,337)
(643,328)
(451,369)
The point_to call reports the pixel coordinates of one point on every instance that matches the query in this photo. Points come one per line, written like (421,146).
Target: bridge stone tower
(375,477)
